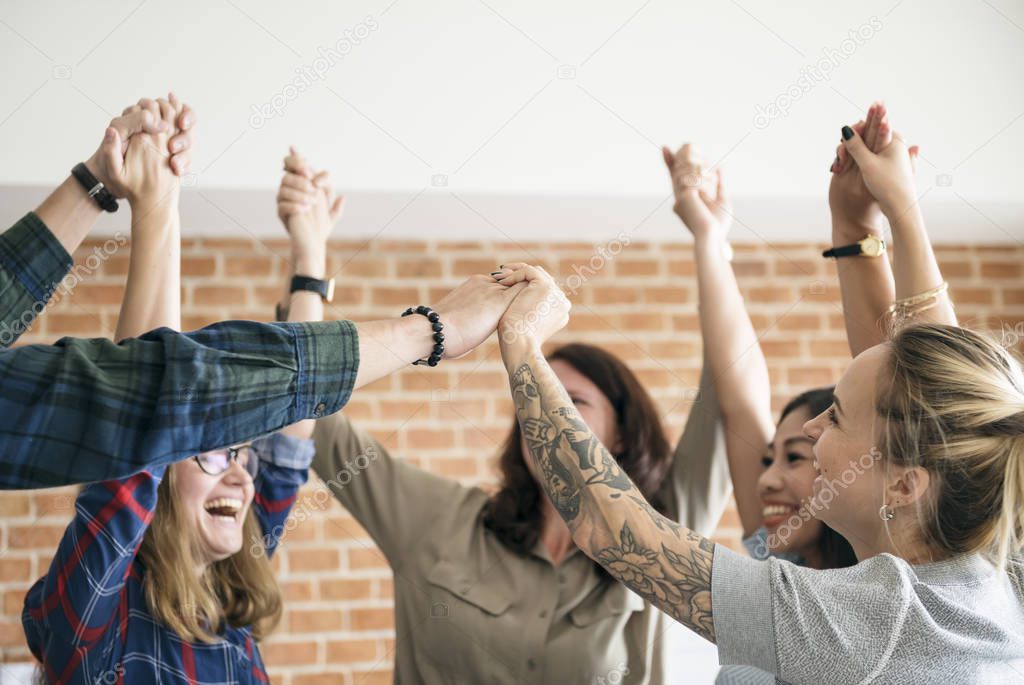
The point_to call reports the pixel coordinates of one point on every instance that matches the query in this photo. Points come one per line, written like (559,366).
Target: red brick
(314,620)
(220,295)
(372,619)
(351,651)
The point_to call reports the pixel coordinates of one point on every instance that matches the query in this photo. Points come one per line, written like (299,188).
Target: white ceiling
(531,99)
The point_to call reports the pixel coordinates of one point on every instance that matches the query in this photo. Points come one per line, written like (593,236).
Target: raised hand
(537,313)
(471,312)
(306,204)
(880,169)
(107,163)
(146,175)
(701,201)
(854,209)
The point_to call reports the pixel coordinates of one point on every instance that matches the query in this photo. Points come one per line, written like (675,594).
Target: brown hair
(239,591)
(513,514)
(955,406)
(835,551)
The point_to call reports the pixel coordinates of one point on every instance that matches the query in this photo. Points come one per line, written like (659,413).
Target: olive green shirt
(470,610)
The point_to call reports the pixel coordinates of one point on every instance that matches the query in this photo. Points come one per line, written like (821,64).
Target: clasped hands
(522,302)
(145,152)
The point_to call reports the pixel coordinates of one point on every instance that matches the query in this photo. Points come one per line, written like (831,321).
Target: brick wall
(641,304)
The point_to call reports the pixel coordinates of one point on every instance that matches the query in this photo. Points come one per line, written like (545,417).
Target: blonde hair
(955,406)
(239,591)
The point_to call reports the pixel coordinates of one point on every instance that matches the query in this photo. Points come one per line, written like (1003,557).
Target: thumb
(854,144)
(110,151)
(337,207)
(914,151)
(669,158)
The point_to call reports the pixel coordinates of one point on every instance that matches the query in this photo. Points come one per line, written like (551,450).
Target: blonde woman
(921,468)
(164,576)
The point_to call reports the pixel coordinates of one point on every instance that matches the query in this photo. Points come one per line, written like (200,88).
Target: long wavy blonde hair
(955,406)
(238,591)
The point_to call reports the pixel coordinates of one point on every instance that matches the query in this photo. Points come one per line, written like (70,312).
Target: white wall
(471,91)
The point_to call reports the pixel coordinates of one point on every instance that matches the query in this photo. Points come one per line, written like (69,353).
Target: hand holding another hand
(538,311)
(146,117)
(873,165)
(700,196)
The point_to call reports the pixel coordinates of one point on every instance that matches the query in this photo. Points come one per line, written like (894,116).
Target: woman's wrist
(516,349)
(308,261)
(845,231)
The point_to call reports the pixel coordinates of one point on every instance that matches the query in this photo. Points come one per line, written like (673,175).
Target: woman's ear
(909,488)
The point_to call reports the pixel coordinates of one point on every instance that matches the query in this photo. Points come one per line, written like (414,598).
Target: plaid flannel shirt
(88,410)
(87,620)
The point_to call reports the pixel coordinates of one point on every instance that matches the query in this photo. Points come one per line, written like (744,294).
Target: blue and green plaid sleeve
(88,410)
(32,264)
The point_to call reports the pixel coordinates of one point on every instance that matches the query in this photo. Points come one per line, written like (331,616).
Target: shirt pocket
(458,581)
(471,634)
(616,600)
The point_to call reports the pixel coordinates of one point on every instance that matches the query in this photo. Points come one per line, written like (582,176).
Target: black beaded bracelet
(435,322)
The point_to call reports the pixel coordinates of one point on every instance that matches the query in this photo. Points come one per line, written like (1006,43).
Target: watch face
(872,246)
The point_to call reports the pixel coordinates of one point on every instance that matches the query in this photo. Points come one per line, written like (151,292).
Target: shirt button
(543,614)
(319,409)
(531,664)
(561,578)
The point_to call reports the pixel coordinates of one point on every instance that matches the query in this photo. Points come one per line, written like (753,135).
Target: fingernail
(835,163)
(176,145)
(108,135)
(847,133)
(187,122)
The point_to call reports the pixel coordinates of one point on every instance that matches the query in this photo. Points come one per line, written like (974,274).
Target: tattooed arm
(610,521)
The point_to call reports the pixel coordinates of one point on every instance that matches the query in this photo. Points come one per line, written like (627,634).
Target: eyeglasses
(216,462)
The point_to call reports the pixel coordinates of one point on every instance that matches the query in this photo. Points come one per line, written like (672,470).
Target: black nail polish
(847,133)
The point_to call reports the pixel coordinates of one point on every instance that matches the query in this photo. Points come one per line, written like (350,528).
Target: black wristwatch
(95,188)
(314,285)
(871,246)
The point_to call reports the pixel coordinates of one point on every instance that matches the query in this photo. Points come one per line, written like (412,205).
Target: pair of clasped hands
(147,150)
(521,301)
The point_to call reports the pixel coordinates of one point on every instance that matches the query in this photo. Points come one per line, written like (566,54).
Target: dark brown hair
(835,551)
(514,513)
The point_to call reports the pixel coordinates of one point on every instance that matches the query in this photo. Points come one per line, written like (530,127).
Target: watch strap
(94,187)
(844,251)
(324,288)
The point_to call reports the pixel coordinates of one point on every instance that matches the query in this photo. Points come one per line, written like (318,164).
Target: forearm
(152,296)
(87,410)
(916,268)
(391,345)
(305,306)
(610,521)
(740,375)
(731,345)
(69,213)
(866,289)
(32,265)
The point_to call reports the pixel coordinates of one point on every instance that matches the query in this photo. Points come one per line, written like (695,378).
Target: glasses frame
(251,467)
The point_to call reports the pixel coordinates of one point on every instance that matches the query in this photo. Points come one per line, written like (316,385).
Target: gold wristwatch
(870,246)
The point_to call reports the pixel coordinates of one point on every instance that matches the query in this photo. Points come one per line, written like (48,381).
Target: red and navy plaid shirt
(87,620)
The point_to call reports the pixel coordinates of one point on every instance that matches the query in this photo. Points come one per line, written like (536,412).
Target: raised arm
(888,176)
(152,297)
(731,347)
(35,252)
(309,209)
(73,606)
(663,562)
(865,283)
